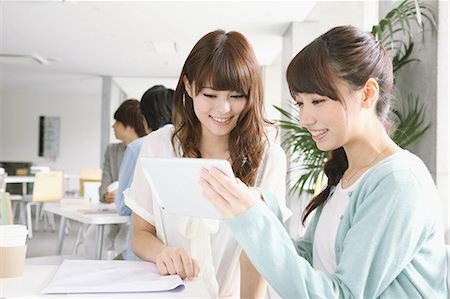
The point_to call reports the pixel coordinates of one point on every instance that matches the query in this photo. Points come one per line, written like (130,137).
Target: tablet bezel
(175,184)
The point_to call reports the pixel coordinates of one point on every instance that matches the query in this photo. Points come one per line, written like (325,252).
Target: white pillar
(442,122)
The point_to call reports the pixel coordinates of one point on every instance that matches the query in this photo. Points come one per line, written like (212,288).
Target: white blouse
(324,255)
(209,241)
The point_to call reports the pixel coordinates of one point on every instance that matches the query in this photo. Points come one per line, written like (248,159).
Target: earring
(184,99)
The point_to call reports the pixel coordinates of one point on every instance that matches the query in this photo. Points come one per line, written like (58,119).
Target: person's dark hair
(343,53)
(129,114)
(223,61)
(156,106)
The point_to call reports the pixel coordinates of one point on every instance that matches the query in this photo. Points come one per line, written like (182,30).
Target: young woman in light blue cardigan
(377,230)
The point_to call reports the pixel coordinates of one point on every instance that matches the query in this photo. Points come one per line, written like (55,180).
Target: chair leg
(67,228)
(22,213)
(79,240)
(51,220)
(37,216)
(13,208)
(29,221)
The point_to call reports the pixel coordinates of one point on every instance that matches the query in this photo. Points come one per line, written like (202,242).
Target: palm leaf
(400,18)
(411,122)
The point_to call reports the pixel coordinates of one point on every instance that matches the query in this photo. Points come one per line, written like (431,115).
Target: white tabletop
(88,213)
(19,179)
(36,277)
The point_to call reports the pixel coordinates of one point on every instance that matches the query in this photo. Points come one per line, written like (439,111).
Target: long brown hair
(343,53)
(223,61)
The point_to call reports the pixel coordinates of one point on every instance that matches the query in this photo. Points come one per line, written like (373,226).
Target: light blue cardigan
(389,243)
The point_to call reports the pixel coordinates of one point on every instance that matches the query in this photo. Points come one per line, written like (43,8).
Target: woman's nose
(305,118)
(223,105)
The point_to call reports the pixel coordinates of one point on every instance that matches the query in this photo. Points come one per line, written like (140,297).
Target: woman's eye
(237,96)
(298,104)
(315,102)
(209,95)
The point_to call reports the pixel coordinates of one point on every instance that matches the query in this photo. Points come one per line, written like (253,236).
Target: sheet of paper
(92,276)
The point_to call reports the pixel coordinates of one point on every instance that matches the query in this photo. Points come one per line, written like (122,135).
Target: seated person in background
(128,126)
(156,106)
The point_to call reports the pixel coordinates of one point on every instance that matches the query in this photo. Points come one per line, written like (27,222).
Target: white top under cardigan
(209,241)
(324,256)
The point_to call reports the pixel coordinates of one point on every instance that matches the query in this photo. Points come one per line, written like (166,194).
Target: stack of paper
(92,276)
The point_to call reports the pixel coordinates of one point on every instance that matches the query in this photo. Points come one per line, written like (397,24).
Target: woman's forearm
(253,284)
(144,242)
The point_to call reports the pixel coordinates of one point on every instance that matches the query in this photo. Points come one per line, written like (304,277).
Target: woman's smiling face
(217,110)
(332,123)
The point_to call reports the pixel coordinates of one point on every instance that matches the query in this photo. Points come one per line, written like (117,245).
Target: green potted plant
(395,31)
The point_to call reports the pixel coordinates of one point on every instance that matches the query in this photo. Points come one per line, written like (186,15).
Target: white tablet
(175,183)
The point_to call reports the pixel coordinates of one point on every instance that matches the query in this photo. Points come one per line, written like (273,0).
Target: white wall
(135,87)
(80,128)
(443,113)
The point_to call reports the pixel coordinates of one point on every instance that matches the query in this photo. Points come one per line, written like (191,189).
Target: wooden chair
(6,214)
(89,175)
(48,186)
(6,211)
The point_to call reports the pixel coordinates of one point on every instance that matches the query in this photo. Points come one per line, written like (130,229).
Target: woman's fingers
(174,260)
(218,181)
(230,196)
(162,267)
(178,265)
(220,203)
(233,185)
(196,268)
(222,184)
(187,264)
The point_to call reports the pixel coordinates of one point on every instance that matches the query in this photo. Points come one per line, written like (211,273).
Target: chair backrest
(6,214)
(36,168)
(89,175)
(48,186)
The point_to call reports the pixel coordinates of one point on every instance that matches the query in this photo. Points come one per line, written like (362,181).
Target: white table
(20,180)
(96,214)
(36,277)
(16,198)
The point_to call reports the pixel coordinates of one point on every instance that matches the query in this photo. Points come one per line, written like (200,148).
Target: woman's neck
(371,144)
(214,147)
(364,154)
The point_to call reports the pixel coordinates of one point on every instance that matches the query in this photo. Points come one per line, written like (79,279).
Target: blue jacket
(389,243)
(126,173)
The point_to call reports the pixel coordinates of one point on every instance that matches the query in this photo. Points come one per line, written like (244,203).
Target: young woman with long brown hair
(377,230)
(217,113)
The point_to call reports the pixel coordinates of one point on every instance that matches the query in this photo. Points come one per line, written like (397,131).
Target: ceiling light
(23,59)
(170,47)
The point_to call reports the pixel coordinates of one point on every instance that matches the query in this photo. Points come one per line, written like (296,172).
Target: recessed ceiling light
(160,47)
(24,59)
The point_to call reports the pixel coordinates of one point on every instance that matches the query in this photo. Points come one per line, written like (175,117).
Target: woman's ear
(371,91)
(187,86)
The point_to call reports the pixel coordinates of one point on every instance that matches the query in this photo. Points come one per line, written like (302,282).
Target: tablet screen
(175,184)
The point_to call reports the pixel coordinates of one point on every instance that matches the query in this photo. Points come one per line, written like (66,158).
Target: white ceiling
(91,39)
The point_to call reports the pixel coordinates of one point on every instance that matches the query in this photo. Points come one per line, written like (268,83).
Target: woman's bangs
(310,73)
(225,73)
